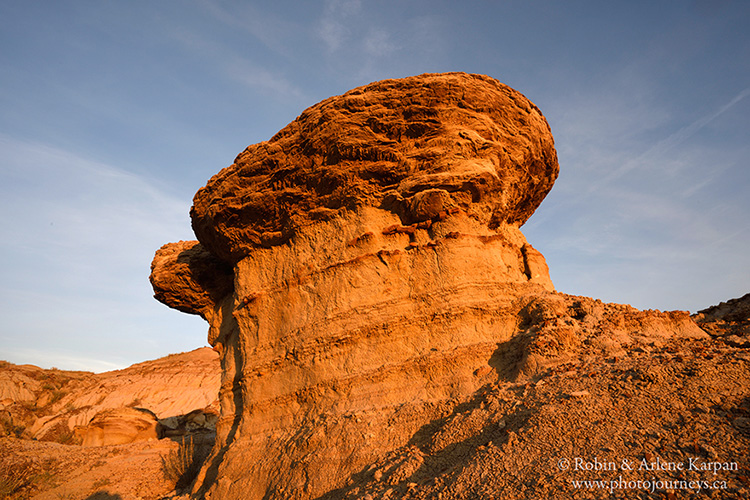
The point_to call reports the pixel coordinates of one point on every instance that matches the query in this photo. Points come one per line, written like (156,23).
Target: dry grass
(8,427)
(16,478)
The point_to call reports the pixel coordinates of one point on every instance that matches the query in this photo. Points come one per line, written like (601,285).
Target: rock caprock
(363,275)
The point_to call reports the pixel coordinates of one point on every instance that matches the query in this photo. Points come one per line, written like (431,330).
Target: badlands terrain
(71,434)
(673,400)
(381,329)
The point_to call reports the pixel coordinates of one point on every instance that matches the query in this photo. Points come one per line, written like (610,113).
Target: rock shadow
(449,461)
(212,274)
(217,457)
(510,359)
(104,495)
(453,458)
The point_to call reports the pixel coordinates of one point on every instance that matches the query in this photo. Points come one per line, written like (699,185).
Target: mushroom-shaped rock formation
(378,279)
(417,146)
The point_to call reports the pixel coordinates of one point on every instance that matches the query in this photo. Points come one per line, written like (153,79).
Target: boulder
(189,278)
(197,421)
(121,426)
(415,146)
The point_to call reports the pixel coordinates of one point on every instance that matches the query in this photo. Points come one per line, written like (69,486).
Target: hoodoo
(363,275)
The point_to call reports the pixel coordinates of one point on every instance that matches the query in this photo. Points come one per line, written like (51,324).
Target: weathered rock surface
(380,282)
(19,384)
(27,383)
(415,146)
(728,320)
(121,426)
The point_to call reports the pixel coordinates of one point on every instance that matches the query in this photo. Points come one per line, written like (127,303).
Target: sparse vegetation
(100,483)
(56,396)
(61,433)
(15,478)
(8,427)
(67,438)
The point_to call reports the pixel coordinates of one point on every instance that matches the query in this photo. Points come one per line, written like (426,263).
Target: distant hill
(48,405)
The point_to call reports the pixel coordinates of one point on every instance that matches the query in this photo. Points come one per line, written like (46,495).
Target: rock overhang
(468,141)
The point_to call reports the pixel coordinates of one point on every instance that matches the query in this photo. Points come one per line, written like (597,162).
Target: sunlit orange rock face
(363,272)
(413,147)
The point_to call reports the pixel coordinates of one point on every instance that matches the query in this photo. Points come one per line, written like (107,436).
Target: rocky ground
(664,420)
(44,470)
(48,415)
(641,425)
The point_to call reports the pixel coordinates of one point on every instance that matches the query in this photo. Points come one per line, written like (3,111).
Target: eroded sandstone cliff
(363,274)
(58,405)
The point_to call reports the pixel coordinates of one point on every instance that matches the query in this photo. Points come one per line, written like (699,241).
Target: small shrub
(56,396)
(8,427)
(14,479)
(59,432)
(30,406)
(100,483)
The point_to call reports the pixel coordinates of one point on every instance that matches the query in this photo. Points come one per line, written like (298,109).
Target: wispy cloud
(667,144)
(277,33)
(237,67)
(635,212)
(262,79)
(378,43)
(78,239)
(334,27)
(59,195)
(50,359)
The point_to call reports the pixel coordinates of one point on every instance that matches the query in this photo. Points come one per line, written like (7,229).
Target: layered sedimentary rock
(379,279)
(120,426)
(50,405)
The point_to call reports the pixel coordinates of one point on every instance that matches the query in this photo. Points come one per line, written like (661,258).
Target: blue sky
(115,113)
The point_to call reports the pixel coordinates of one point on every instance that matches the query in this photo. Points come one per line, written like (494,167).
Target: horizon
(115,115)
